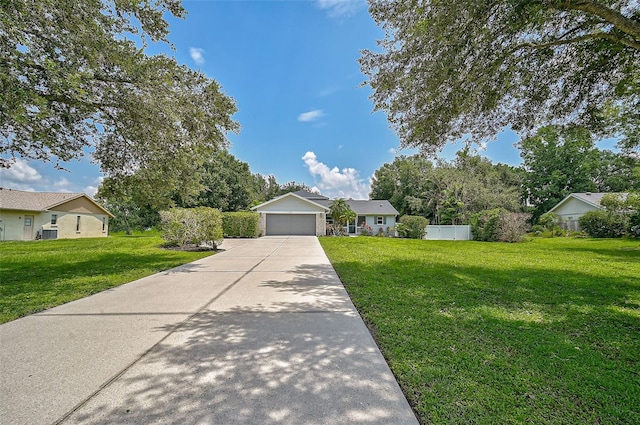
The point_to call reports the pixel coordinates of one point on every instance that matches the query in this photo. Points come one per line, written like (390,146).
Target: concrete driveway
(262,333)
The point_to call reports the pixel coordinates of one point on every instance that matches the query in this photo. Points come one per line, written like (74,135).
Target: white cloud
(93,188)
(336,183)
(311,115)
(327,91)
(340,8)
(197,55)
(62,184)
(20,176)
(393,151)
(90,190)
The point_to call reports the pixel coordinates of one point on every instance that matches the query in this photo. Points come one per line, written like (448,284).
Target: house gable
(20,200)
(577,204)
(574,207)
(290,203)
(80,205)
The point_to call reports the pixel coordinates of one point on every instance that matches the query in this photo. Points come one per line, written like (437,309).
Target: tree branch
(627,25)
(73,102)
(587,37)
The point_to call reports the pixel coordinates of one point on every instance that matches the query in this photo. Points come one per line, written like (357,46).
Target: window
(104,223)
(27,221)
(78,224)
(54,219)
(381,220)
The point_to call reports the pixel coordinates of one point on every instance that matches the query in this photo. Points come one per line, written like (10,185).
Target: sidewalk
(261,333)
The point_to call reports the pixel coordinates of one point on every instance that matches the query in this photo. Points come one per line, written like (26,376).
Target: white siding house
(305,213)
(574,206)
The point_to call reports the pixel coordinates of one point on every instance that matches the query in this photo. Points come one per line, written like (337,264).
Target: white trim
(571,195)
(292,212)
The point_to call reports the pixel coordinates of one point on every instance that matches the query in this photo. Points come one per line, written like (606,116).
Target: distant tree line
(226,184)
(557,161)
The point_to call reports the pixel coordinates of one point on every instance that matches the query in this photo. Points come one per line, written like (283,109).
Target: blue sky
(292,68)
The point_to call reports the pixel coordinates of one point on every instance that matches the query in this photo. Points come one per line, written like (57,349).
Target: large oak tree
(74,77)
(452,68)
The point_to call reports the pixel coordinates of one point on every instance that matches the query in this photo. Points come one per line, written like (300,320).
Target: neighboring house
(574,206)
(50,215)
(306,213)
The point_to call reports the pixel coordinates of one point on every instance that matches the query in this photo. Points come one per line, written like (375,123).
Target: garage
(293,214)
(291,224)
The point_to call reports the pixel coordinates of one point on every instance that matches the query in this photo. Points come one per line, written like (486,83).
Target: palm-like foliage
(341,212)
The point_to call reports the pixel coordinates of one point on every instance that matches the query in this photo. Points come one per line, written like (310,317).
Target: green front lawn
(36,275)
(541,332)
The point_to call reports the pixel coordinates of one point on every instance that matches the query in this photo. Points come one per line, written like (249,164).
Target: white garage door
(291,224)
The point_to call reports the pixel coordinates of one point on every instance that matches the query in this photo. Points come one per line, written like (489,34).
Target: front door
(27,232)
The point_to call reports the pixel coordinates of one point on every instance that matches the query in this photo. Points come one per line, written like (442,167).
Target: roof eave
(81,195)
(277,198)
(571,195)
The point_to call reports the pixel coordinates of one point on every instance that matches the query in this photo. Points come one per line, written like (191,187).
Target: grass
(544,332)
(37,275)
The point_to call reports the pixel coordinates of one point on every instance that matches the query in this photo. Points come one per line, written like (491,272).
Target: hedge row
(201,226)
(240,224)
(605,224)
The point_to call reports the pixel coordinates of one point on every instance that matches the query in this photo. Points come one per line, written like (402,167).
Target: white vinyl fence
(448,233)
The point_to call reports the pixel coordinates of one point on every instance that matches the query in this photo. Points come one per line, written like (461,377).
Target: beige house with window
(50,215)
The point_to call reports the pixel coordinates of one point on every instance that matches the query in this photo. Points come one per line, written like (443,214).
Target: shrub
(484,225)
(240,224)
(412,226)
(537,229)
(336,230)
(550,222)
(197,226)
(366,230)
(499,225)
(512,226)
(604,224)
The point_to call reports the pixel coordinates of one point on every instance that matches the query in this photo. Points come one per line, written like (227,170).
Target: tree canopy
(74,76)
(226,183)
(448,69)
(447,192)
(562,160)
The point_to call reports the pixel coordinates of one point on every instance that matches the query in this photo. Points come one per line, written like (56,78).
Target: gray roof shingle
(11,199)
(360,207)
(365,207)
(309,195)
(372,207)
(595,197)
